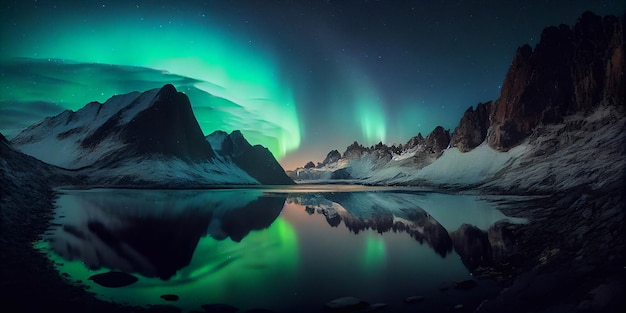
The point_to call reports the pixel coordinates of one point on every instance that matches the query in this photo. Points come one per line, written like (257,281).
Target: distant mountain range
(150,138)
(558,123)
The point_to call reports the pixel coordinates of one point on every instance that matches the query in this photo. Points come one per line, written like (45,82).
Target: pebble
(414,299)
(345,303)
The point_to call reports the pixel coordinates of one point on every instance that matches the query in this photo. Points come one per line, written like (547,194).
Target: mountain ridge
(137,138)
(256,160)
(544,86)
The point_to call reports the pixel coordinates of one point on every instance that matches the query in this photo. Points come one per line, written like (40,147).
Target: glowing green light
(371,118)
(216,269)
(366,103)
(244,81)
(375,251)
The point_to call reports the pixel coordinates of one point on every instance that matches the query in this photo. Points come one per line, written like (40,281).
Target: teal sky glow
(299,77)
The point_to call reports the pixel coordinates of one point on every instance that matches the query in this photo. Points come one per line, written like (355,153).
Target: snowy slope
(453,168)
(149,138)
(583,150)
(57,140)
(168,172)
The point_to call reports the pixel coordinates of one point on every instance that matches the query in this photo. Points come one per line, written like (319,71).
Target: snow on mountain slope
(583,150)
(149,138)
(168,172)
(216,139)
(57,140)
(256,160)
(453,167)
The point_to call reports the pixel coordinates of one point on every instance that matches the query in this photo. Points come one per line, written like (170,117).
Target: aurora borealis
(300,77)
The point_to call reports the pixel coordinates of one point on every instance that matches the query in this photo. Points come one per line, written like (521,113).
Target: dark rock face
(354,151)
(341,173)
(168,127)
(332,156)
(156,122)
(414,141)
(570,70)
(256,160)
(472,128)
(236,144)
(437,141)
(3,139)
(309,164)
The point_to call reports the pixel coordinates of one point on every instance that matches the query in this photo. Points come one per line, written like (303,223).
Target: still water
(283,249)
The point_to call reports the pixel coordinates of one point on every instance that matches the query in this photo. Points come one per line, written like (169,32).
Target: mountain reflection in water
(225,246)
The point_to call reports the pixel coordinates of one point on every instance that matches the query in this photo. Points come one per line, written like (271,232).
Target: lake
(283,249)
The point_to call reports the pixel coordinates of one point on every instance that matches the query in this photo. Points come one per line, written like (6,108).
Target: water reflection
(254,247)
(155,234)
(379,211)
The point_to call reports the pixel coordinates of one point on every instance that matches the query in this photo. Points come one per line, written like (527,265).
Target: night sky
(300,77)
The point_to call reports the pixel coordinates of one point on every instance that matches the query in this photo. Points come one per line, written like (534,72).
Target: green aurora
(299,77)
(231,86)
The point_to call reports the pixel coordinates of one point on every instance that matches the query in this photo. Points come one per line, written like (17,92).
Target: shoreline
(573,277)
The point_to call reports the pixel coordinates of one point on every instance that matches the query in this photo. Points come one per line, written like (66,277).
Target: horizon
(344,72)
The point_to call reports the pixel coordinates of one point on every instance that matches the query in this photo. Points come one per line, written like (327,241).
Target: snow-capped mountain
(559,123)
(361,163)
(256,160)
(136,138)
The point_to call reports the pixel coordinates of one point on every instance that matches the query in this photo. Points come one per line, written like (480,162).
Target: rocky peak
(437,141)
(355,150)
(472,128)
(570,70)
(331,157)
(309,165)
(414,141)
(3,139)
(168,126)
(238,143)
(256,160)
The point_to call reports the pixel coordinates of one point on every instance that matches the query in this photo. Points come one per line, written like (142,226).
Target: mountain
(472,128)
(570,70)
(332,156)
(16,168)
(149,138)
(362,163)
(558,123)
(256,160)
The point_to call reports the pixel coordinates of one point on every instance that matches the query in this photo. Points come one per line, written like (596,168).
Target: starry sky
(299,77)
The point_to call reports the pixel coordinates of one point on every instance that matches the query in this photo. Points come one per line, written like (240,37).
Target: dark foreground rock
(572,256)
(28,280)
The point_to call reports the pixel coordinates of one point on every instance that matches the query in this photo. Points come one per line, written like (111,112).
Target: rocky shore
(569,258)
(28,280)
